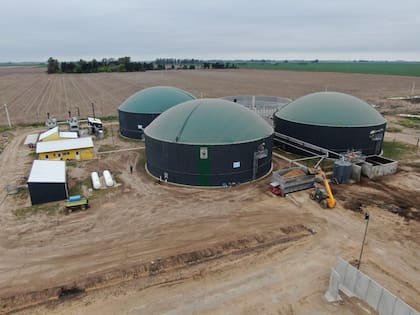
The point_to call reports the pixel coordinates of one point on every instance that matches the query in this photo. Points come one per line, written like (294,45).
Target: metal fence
(265,106)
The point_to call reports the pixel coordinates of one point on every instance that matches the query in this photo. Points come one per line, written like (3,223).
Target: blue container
(75,198)
(342,171)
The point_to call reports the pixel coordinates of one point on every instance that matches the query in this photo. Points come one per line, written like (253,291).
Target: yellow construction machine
(323,196)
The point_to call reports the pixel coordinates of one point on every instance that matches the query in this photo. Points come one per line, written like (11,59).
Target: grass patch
(32,154)
(48,209)
(410,122)
(71,163)
(34,124)
(109,118)
(393,129)
(77,189)
(325,165)
(108,147)
(22,194)
(99,194)
(4,129)
(397,150)
(385,68)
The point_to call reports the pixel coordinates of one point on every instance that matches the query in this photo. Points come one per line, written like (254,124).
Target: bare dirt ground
(149,248)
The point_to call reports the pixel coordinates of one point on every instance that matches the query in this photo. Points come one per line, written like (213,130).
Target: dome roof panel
(155,100)
(208,121)
(331,109)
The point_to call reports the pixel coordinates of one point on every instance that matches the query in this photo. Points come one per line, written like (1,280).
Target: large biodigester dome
(141,108)
(208,142)
(335,121)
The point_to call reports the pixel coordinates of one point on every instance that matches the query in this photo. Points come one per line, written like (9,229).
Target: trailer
(76,203)
(292,179)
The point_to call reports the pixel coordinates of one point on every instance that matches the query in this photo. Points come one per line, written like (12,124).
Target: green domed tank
(141,108)
(335,121)
(208,142)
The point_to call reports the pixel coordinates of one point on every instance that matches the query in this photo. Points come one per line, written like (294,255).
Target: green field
(387,68)
(23,64)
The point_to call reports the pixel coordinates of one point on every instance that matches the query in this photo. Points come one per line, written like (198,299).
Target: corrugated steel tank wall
(129,123)
(184,164)
(338,139)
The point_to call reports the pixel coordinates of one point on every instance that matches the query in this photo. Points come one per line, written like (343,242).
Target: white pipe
(409,115)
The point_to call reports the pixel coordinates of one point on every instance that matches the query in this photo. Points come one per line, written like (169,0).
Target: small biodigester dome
(141,108)
(335,121)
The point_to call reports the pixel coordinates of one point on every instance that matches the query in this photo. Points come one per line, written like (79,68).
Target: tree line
(124,64)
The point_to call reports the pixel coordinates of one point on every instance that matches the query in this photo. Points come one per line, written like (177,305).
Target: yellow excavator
(323,196)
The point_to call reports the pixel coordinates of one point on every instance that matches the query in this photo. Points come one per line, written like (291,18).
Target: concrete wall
(353,282)
(356,172)
(372,170)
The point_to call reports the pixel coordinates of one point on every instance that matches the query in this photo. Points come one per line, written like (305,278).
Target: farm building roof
(61,145)
(208,121)
(331,109)
(94,120)
(68,134)
(48,172)
(31,139)
(48,133)
(155,100)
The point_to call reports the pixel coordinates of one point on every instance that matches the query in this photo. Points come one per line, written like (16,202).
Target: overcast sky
(33,30)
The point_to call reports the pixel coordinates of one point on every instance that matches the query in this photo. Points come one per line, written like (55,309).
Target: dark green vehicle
(76,203)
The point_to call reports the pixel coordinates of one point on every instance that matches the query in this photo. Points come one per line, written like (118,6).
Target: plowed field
(30,93)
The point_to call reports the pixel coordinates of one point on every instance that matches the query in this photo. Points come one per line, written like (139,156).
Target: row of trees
(174,63)
(124,64)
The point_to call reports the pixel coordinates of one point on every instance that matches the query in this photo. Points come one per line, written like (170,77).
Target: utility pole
(7,115)
(364,237)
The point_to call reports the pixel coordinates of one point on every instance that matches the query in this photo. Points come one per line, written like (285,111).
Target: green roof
(155,100)
(331,109)
(209,121)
